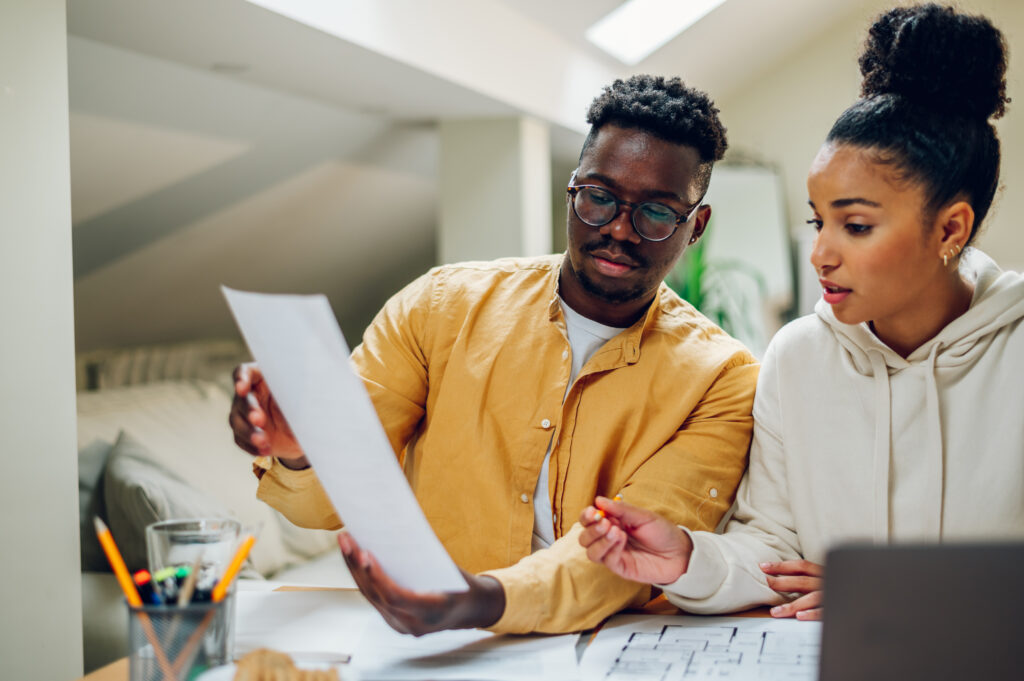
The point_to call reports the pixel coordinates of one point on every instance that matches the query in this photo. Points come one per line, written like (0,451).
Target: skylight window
(637,28)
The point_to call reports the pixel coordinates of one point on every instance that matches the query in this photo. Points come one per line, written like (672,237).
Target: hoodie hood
(997,302)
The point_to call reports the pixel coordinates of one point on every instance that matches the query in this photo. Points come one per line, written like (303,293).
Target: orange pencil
(221,589)
(117,563)
(130,592)
(219,592)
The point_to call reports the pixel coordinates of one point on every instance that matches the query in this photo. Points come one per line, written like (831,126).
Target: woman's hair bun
(937,58)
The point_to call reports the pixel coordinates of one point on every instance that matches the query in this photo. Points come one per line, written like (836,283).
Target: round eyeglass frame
(573,190)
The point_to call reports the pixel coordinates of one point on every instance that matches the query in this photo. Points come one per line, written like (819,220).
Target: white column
(495,194)
(40,584)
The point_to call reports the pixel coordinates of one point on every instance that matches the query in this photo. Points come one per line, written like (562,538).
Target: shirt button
(713,493)
(565,354)
(523,498)
(545,423)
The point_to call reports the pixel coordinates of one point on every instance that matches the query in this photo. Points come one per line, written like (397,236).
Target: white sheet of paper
(301,623)
(666,648)
(385,655)
(305,361)
(314,625)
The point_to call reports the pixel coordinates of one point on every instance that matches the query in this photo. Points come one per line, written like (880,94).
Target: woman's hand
(633,542)
(797,576)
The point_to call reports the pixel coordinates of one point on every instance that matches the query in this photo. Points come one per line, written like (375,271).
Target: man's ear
(700,223)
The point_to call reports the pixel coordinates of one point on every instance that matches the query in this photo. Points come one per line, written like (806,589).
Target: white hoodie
(853,442)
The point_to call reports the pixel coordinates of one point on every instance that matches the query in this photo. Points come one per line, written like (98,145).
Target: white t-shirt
(585,338)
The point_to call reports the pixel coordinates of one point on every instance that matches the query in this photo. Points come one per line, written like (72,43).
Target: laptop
(924,612)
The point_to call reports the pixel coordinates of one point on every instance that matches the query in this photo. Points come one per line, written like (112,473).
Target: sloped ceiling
(215,141)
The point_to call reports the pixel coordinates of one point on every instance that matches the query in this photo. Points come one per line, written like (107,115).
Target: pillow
(139,492)
(91,460)
(182,427)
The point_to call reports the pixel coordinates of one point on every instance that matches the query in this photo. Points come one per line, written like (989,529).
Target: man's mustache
(617,247)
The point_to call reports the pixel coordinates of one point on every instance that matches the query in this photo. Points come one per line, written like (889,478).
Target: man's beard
(593,288)
(613,296)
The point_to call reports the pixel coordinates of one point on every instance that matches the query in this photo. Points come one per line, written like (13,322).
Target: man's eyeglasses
(597,206)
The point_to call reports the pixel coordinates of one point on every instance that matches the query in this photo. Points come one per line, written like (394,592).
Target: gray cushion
(183,428)
(139,492)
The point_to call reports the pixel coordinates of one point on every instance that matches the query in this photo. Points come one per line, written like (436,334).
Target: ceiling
(729,47)
(244,41)
(218,141)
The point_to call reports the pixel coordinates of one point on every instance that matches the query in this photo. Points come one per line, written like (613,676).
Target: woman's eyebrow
(843,203)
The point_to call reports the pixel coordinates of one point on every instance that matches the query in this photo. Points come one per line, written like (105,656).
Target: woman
(894,412)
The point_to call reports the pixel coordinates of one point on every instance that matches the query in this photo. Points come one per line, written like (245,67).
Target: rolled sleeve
(558,589)
(705,571)
(298,495)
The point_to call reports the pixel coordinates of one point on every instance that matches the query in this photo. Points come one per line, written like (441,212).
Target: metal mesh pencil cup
(171,643)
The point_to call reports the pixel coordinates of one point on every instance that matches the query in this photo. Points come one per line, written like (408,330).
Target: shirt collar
(628,340)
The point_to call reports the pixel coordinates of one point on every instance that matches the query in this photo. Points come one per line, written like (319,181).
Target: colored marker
(144,582)
(166,584)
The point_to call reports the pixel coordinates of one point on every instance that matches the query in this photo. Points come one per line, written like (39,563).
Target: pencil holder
(172,643)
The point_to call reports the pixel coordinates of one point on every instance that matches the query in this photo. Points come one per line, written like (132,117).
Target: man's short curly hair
(665,108)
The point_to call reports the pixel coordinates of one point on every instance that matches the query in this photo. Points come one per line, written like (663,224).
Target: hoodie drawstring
(882,454)
(933,501)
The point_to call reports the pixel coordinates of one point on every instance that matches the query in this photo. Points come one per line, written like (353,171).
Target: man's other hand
(257,422)
(633,542)
(416,613)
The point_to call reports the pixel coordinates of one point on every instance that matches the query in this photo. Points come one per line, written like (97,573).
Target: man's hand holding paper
(261,429)
(418,613)
(259,426)
(303,354)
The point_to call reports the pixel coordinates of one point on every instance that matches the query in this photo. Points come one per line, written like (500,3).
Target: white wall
(782,115)
(495,199)
(40,599)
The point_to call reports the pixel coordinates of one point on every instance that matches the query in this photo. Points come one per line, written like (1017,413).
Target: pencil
(221,589)
(219,592)
(187,589)
(131,594)
(117,563)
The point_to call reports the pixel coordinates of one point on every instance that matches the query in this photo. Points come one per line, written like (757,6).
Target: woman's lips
(832,292)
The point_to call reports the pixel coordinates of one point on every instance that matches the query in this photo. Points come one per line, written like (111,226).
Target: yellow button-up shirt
(467,368)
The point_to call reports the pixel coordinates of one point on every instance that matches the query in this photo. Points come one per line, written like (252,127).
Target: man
(516,391)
